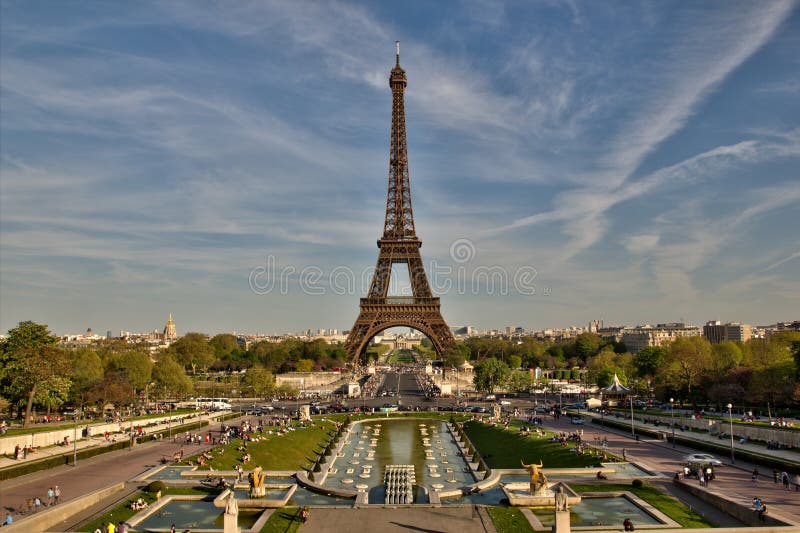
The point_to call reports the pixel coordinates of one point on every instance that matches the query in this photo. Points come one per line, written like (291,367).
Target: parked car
(577,420)
(703,458)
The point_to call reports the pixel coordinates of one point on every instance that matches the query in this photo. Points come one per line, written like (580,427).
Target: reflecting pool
(427,444)
(193,514)
(604,511)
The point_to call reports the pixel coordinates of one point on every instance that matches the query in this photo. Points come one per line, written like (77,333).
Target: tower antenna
(397,45)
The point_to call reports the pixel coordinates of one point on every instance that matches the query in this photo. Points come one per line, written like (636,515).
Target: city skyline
(637,162)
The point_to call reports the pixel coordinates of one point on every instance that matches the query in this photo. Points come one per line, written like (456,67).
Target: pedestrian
(37,504)
(709,474)
(57,494)
(624,458)
(702,477)
(628,525)
(797,482)
(775,475)
(16,452)
(757,505)
(111,528)
(9,520)
(785,479)
(121,528)
(172,529)
(51,495)
(762,513)
(754,477)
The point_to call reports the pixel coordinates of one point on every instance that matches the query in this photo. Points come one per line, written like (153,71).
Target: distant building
(717,332)
(638,338)
(170,332)
(595,326)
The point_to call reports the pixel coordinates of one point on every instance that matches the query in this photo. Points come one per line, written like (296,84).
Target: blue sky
(632,161)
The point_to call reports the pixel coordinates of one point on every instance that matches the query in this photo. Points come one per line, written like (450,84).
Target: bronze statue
(538,478)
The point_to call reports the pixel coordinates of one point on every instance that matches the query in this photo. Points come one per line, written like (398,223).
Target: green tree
(514,362)
(87,371)
(305,365)
(194,351)
(490,374)
(32,363)
(689,358)
(520,381)
(114,388)
(587,345)
(649,361)
(224,345)
(136,366)
(261,380)
(170,376)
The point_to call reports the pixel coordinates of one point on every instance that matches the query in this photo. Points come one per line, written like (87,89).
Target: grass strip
(285,520)
(509,519)
(506,448)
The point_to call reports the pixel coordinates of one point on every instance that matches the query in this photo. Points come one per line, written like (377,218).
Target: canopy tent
(616,388)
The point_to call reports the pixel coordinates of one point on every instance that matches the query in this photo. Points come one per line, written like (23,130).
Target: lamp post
(633,426)
(672,418)
(602,411)
(630,399)
(75,441)
(130,448)
(730,419)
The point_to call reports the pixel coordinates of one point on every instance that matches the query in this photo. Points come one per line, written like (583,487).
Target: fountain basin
(518,494)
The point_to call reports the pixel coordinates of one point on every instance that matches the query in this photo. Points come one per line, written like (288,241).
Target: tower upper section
(399,224)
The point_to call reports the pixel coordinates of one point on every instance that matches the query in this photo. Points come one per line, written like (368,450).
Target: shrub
(637,483)
(156,486)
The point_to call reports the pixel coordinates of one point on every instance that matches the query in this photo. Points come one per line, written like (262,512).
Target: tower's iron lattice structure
(399,244)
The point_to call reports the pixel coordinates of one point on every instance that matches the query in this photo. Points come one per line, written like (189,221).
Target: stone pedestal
(305,412)
(497,411)
(561,522)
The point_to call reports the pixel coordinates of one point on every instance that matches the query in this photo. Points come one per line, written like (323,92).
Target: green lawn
(505,448)
(660,500)
(509,519)
(286,520)
(293,451)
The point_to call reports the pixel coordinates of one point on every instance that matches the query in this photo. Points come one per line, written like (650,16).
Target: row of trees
(759,371)
(36,373)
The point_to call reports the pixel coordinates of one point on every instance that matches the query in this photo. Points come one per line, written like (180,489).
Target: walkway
(92,474)
(660,457)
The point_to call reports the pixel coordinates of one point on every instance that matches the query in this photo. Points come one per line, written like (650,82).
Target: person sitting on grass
(601,475)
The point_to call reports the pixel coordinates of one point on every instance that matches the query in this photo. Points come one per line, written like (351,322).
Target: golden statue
(538,479)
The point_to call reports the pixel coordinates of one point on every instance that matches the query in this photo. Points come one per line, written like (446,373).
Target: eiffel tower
(399,244)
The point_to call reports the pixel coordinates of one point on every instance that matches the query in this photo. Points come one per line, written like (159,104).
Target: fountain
(257,487)
(399,481)
(539,492)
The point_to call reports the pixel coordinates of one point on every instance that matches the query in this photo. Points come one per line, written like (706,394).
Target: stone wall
(784,436)
(47,519)
(51,438)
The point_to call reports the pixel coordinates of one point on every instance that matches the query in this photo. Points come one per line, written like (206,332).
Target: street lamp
(672,418)
(730,419)
(75,441)
(630,399)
